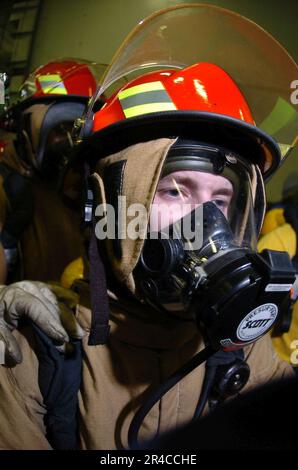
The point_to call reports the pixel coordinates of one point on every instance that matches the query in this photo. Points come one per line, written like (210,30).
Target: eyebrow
(178,179)
(183,179)
(225,191)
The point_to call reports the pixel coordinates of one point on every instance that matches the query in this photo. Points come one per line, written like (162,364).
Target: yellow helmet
(72,272)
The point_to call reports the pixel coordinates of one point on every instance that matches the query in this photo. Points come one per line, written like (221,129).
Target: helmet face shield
(260,67)
(57,150)
(44,136)
(55,140)
(247,52)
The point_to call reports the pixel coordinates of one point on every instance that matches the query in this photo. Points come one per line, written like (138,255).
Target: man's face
(182,191)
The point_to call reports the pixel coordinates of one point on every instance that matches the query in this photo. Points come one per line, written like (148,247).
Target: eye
(172,192)
(221,203)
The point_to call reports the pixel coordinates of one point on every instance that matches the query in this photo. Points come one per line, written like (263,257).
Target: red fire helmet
(200,101)
(60,78)
(195,88)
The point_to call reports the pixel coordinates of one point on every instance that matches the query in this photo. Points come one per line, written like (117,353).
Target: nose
(200,196)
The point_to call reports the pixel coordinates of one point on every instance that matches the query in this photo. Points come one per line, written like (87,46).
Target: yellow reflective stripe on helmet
(143,88)
(144,99)
(148,108)
(157,96)
(52,84)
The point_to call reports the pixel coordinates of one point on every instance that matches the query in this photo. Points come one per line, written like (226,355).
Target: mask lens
(182,191)
(57,150)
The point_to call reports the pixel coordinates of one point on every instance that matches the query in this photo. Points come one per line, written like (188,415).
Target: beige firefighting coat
(144,347)
(143,350)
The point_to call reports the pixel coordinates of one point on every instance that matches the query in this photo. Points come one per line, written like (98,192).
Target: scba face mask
(199,260)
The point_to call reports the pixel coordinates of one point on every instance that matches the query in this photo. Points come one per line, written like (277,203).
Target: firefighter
(175,202)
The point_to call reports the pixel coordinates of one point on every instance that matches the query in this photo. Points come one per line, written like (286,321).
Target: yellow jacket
(283,238)
(274,218)
(72,272)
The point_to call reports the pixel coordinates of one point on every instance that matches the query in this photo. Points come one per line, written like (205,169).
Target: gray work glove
(48,306)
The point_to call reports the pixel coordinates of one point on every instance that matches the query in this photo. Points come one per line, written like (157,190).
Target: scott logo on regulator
(256,323)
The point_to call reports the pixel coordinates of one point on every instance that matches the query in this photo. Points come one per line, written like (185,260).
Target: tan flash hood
(133,174)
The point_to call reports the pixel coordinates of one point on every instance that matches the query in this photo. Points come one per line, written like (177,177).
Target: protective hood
(133,174)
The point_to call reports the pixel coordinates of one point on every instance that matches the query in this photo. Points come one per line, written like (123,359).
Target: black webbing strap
(99,295)
(59,378)
(99,331)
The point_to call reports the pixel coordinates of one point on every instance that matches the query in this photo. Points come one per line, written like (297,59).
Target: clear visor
(183,194)
(186,34)
(57,151)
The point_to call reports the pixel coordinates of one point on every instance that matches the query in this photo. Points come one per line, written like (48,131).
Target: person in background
(19,210)
(284,237)
(51,99)
(16,196)
(3,263)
